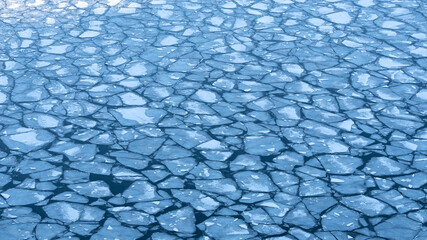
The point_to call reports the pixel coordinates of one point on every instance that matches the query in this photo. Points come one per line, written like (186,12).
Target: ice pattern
(213,119)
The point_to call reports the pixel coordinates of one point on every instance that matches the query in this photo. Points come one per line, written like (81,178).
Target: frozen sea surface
(213,119)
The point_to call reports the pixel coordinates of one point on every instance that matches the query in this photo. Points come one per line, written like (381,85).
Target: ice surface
(141,191)
(137,115)
(96,189)
(282,119)
(139,68)
(181,220)
(26,139)
(339,17)
(168,41)
(252,181)
(16,197)
(223,227)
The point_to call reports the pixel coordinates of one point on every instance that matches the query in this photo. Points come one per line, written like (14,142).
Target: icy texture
(213,120)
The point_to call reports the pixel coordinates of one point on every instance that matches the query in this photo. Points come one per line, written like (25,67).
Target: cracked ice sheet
(234,119)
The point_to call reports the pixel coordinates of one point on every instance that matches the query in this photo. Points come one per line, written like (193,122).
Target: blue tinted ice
(206,119)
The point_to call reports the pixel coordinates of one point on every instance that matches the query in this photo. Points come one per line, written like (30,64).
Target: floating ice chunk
(4,179)
(255,182)
(57,49)
(130,98)
(165,14)
(212,145)
(216,155)
(127,10)
(156,175)
(84,229)
(181,220)
(180,166)
(141,191)
(81,4)
(3,97)
(205,172)
(27,139)
(31,166)
(226,228)
(353,184)
(40,120)
(263,145)
(153,207)
(100,10)
(172,182)
(222,186)
(95,189)
(288,160)
(366,81)
(17,197)
(187,138)
(265,20)
(246,162)
(172,152)
(75,152)
(336,146)
(316,21)
(139,68)
(3,80)
(235,57)
(313,188)
(112,229)
(117,61)
(198,200)
(302,87)
(392,24)
(157,93)
(300,216)
(239,23)
(366,3)
(340,219)
(283,179)
(406,126)
(293,68)
(217,21)
(72,212)
(257,216)
(367,205)
(229,5)
(289,112)
(113,3)
(382,166)
(422,94)
(339,17)
(420,51)
(27,33)
(206,96)
(340,164)
(146,146)
(70,197)
(391,63)
(395,198)
(28,93)
(132,116)
(387,94)
(397,226)
(89,34)
(362,113)
(16,230)
(135,218)
(49,231)
(241,97)
(169,41)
